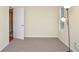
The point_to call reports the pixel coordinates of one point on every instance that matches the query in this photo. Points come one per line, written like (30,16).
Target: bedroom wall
(4,26)
(41,21)
(74,29)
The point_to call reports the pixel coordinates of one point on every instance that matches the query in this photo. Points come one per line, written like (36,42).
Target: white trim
(43,36)
(67,45)
(4,47)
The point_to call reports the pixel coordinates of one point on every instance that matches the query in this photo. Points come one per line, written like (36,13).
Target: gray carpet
(36,45)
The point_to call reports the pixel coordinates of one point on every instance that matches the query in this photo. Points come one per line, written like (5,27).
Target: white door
(18,22)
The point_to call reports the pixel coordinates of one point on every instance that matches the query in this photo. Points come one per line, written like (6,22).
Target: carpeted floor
(36,45)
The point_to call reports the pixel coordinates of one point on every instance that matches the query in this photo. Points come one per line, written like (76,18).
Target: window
(61,15)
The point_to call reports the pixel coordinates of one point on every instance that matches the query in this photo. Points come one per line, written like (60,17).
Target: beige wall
(4,27)
(41,21)
(74,29)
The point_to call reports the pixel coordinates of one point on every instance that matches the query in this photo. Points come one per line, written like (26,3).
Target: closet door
(18,22)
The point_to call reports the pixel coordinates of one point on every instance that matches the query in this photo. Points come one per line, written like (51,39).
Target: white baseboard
(67,45)
(41,37)
(4,47)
